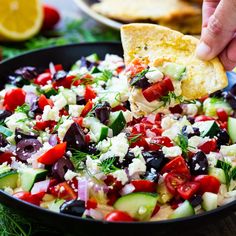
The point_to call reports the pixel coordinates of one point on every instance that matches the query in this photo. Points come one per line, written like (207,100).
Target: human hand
(218,32)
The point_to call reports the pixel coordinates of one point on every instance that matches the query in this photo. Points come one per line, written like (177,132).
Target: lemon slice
(20,19)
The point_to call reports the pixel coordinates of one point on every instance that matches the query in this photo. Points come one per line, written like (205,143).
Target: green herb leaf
(107,165)
(25,108)
(182,142)
(138,77)
(105,76)
(134,138)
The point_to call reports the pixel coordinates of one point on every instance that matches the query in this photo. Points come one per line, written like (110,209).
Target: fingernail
(203,51)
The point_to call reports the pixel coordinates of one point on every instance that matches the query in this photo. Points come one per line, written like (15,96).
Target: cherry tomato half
(173,181)
(187,190)
(209,146)
(14,98)
(208,183)
(157,143)
(144,185)
(115,216)
(222,114)
(89,93)
(43,78)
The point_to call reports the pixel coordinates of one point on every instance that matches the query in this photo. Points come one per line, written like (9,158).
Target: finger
(228,56)
(219,30)
(208,9)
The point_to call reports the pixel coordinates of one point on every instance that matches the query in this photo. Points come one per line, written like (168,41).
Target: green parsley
(105,76)
(107,166)
(25,108)
(134,138)
(182,141)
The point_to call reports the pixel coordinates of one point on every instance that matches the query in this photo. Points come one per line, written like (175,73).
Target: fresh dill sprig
(107,166)
(138,76)
(25,108)
(171,96)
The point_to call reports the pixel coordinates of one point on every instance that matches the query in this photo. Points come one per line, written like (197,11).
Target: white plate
(85,6)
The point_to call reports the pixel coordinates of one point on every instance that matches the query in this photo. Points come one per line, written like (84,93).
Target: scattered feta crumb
(137,166)
(69,175)
(75,110)
(50,113)
(121,176)
(63,128)
(59,101)
(154,75)
(172,151)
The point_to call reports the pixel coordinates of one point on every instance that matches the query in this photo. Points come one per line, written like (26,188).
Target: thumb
(218,30)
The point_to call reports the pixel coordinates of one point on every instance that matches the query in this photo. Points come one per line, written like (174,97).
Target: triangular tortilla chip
(162,44)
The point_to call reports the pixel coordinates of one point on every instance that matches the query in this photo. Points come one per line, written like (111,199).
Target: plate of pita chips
(181,15)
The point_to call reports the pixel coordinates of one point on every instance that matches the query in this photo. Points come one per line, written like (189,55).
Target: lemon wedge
(20,19)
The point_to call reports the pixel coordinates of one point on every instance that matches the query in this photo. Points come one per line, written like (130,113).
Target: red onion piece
(98,188)
(40,187)
(53,140)
(31,98)
(83,193)
(128,188)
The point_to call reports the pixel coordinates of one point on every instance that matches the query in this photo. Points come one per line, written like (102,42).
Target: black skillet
(67,55)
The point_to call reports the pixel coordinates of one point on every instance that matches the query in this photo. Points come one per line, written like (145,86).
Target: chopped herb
(56,127)
(138,76)
(107,165)
(171,96)
(25,108)
(134,139)
(22,120)
(230,172)
(105,76)
(182,141)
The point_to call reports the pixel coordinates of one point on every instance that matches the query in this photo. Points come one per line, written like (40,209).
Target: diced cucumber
(92,58)
(232,128)
(94,70)
(218,173)
(99,130)
(207,128)
(5,131)
(117,122)
(184,210)
(174,70)
(8,179)
(209,201)
(55,205)
(164,195)
(4,168)
(29,176)
(211,105)
(138,205)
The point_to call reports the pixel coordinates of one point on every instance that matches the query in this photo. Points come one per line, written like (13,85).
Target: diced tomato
(138,140)
(43,78)
(6,157)
(89,93)
(78,120)
(116,216)
(157,143)
(88,107)
(42,125)
(119,69)
(43,101)
(157,131)
(173,181)
(223,125)
(91,204)
(158,90)
(57,67)
(118,108)
(137,66)
(209,146)
(63,112)
(66,82)
(64,191)
(14,98)
(188,189)
(203,98)
(142,185)
(53,154)
(222,114)
(176,165)
(28,197)
(203,118)
(208,183)
(141,128)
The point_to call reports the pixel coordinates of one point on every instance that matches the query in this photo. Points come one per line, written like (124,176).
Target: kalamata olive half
(75,137)
(59,75)
(25,148)
(154,160)
(4,114)
(198,164)
(27,72)
(196,132)
(140,82)
(61,167)
(3,141)
(223,138)
(231,99)
(80,100)
(195,200)
(126,160)
(73,207)
(102,112)
(20,135)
